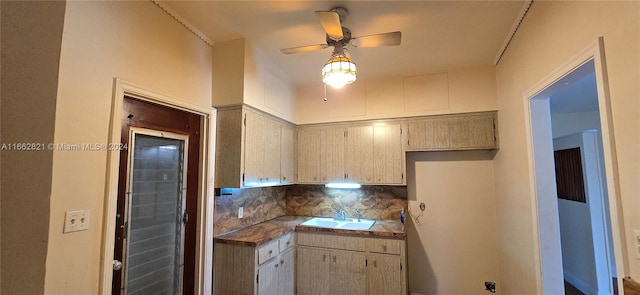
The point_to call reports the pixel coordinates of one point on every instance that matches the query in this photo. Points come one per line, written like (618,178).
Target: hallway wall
(550,34)
(31,38)
(132,40)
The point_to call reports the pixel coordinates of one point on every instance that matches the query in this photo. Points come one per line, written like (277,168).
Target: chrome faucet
(358,214)
(340,213)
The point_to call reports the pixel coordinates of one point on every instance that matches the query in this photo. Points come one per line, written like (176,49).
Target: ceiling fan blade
(376,40)
(300,49)
(330,21)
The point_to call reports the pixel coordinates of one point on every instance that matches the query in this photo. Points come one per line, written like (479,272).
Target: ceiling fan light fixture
(339,71)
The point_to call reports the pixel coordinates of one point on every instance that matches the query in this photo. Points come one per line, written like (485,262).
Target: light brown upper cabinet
(308,155)
(361,153)
(287,154)
(388,154)
(453,132)
(332,154)
(253,149)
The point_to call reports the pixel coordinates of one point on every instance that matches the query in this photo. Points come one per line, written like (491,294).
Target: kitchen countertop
(261,233)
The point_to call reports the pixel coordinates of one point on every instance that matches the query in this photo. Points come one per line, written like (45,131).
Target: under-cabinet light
(260,184)
(345,185)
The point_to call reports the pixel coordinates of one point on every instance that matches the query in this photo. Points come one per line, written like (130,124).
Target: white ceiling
(580,95)
(436,35)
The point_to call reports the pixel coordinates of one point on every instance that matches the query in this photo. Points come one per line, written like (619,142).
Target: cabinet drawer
(386,246)
(268,251)
(331,241)
(286,242)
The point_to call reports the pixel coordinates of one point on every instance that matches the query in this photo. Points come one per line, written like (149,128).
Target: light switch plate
(76,221)
(240,212)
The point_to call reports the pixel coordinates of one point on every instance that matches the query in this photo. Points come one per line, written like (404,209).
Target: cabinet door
(475,132)
(271,150)
(268,277)
(308,155)
(287,154)
(313,272)
(253,148)
(286,275)
(359,154)
(348,273)
(332,163)
(384,274)
(388,154)
(428,134)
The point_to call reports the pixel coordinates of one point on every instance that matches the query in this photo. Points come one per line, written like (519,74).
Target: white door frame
(542,181)
(204,226)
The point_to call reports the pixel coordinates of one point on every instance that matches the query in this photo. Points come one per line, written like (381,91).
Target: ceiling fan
(340,70)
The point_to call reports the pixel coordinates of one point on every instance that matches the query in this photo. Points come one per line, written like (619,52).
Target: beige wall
(551,34)
(243,74)
(453,91)
(31,38)
(453,250)
(137,42)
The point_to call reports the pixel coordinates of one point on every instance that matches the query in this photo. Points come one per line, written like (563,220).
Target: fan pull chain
(325,91)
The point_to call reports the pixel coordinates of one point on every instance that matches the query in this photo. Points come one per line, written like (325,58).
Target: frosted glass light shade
(339,71)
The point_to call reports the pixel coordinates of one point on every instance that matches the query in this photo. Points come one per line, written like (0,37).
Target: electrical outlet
(240,212)
(636,234)
(76,221)
(490,286)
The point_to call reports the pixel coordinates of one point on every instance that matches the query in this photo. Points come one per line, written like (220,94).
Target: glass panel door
(155,206)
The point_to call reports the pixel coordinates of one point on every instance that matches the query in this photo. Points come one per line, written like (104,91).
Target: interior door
(157,199)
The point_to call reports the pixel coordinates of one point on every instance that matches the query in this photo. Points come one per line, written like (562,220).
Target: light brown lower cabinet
(330,272)
(337,264)
(276,276)
(268,269)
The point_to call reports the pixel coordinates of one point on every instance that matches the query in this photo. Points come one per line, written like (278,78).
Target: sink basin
(351,224)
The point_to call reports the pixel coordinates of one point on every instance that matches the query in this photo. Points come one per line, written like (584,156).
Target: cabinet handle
(284,178)
(334,259)
(281,261)
(384,248)
(270,252)
(324,258)
(276,265)
(375,263)
(288,242)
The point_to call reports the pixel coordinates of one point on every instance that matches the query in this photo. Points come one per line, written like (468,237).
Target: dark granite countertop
(261,233)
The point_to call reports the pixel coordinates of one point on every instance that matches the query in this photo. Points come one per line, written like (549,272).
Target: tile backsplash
(259,204)
(262,204)
(374,202)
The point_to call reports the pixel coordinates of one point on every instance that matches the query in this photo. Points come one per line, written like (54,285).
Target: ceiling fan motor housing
(341,11)
(346,33)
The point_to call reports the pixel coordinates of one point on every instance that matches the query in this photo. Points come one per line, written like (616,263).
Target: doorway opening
(580,240)
(157,193)
(193,260)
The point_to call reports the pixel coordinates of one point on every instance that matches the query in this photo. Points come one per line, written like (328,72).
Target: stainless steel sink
(351,224)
